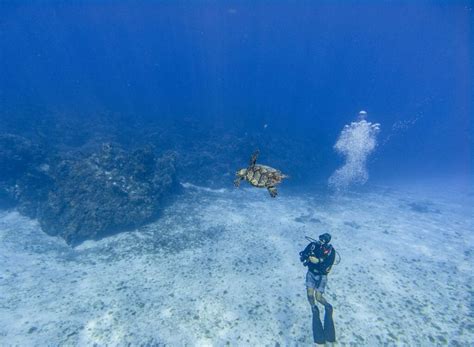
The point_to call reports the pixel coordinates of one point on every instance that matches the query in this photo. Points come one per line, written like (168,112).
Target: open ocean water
(124,127)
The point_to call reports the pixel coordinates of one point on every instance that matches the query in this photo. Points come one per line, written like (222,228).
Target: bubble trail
(356,141)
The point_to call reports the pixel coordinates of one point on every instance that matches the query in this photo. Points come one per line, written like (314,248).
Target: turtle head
(241,173)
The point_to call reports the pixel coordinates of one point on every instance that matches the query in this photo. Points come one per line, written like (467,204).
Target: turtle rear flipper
(273,191)
(253,160)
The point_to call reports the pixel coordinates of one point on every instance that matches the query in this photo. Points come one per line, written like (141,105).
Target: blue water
(202,85)
(303,69)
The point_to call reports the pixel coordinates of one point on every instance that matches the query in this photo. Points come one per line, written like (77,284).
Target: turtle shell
(263,176)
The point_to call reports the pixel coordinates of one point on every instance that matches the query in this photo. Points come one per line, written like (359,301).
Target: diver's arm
(323,259)
(304,254)
(314,260)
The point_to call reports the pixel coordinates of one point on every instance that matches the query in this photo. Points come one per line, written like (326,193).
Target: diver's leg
(273,191)
(318,331)
(319,290)
(311,297)
(329,330)
(320,298)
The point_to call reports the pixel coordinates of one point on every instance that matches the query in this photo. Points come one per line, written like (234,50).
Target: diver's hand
(314,260)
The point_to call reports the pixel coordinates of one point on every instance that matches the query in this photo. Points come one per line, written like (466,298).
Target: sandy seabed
(222,268)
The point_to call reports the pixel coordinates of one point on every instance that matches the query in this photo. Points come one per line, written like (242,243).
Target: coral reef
(85,196)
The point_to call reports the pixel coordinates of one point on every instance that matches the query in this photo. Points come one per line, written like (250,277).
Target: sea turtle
(260,176)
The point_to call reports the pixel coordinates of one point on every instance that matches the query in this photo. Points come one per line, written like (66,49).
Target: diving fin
(329,330)
(318,331)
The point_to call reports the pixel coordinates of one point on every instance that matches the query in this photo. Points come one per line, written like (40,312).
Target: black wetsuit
(325,252)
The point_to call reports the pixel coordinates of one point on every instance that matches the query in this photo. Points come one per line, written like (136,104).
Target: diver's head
(325,238)
(362,115)
(241,173)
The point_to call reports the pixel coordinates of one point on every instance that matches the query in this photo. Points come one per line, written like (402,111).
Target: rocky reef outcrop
(107,191)
(86,177)
(85,196)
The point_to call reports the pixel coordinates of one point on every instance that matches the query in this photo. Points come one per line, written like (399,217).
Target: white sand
(222,268)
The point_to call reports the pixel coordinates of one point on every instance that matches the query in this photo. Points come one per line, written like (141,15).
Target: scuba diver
(319,257)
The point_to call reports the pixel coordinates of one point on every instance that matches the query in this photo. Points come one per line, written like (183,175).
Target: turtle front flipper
(273,191)
(253,160)
(237,181)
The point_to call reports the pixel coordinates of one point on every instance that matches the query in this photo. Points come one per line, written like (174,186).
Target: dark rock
(105,192)
(31,191)
(352,224)
(299,219)
(18,155)
(423,207)
(24,179)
